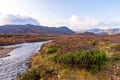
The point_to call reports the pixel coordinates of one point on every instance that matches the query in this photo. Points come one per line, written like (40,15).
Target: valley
(59,39)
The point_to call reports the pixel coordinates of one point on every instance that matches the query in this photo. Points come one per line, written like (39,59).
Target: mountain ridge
(35,30)
(46,30)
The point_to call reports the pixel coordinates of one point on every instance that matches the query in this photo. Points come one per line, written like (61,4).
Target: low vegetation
(83,59)
(94,43)
(52,50)
(6,39)
(76,58)
(116,47)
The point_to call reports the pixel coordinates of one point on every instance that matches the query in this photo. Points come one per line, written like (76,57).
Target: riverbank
(4,52)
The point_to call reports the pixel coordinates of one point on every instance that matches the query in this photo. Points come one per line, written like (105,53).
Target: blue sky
(76,14)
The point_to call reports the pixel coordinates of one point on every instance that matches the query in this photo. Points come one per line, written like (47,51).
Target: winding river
(15,64)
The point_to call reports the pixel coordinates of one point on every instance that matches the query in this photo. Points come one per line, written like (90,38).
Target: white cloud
(74,22)
(17,19)
(89,22)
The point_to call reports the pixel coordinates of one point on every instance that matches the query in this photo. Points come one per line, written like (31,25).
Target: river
(15,64)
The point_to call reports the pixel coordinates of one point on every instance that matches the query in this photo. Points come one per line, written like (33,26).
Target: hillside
(85,34)
(35,30)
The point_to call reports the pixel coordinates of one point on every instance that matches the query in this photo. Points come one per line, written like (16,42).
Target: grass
(116,47)
(94,42)
(92,59)
(77,58)
(31,74)
(7,39)
(51,50)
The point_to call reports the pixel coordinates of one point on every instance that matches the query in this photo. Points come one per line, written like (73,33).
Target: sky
(75,14)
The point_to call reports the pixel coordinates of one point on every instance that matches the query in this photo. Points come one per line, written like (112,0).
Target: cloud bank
(17,19)
(88,22)
(75,23)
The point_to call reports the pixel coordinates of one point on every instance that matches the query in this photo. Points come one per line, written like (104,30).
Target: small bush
(83,59)
(94,43)
(52,50)
(55,59)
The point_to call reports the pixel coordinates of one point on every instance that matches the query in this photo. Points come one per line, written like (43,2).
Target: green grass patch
(89,59)
(52,50)
(94,42)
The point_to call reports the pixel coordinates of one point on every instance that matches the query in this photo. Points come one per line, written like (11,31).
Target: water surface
(15,64)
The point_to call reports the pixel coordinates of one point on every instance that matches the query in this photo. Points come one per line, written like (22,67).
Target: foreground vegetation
(76,58)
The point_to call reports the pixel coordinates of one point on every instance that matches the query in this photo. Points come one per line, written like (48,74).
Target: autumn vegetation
(7,39)
(76,58)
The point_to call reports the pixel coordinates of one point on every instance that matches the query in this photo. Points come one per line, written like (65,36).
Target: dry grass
(43,60)
(13,39)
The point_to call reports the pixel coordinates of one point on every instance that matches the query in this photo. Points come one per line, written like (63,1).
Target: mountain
(49,31)
(94,30)
(105,32)
(85,34)
(35,30)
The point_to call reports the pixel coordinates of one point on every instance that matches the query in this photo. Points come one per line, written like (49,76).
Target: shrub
(52,50)
(55,59)
(83,59)
(94,43)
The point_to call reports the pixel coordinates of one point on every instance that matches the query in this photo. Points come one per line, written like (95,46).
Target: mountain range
(85,34)
(48,31)
(105,31)
(35,30)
